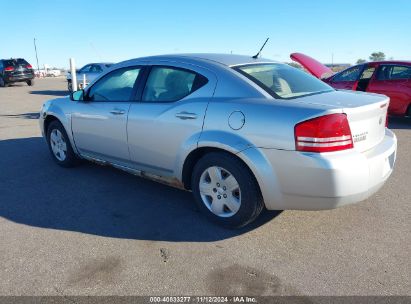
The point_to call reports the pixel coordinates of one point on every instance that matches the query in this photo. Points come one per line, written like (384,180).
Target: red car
(391,78)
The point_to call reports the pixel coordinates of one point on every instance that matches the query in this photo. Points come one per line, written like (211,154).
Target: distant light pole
(37,58)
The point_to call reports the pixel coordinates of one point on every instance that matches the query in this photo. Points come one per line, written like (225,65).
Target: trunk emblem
(380,121)
(360,137)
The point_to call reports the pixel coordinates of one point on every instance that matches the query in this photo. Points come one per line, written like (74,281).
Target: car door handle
(117,111)
(186,115)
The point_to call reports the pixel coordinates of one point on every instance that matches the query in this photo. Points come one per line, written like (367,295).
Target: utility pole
(73,75)
(37,58)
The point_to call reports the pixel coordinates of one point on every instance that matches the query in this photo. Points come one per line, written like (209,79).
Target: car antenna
(259,52)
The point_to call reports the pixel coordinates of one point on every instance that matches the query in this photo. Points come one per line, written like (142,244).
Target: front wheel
(59,145)
(226,191)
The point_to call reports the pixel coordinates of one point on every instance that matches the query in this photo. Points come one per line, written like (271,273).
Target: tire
(30,82)
(69,87)
(59,145)
(3,84)
(409,111)
(237,204)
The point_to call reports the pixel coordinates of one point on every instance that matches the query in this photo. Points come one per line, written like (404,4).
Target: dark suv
(15,70)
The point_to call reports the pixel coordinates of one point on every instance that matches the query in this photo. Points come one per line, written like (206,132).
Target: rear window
(350,74)
(283,81)
(15,62)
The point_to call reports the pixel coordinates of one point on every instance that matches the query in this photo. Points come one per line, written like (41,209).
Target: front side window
(283,81)
(350,74)
(168,84)
(116,86)
(394,72)
(401,72)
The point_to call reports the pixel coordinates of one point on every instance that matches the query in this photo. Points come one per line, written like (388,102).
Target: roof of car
(390,62)
(100,63)
(225,59)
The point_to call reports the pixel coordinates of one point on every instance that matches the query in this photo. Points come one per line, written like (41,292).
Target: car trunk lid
(367,123)
(313,66)
(366,113)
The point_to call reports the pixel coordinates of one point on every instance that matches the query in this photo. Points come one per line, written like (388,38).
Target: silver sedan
(243,134)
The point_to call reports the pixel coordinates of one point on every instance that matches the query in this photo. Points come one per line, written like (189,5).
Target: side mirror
(77,95)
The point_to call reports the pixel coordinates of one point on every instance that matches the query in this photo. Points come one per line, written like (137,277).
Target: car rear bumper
(18,78)
(313,181)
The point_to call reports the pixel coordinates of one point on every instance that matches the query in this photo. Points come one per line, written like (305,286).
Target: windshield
(283,81)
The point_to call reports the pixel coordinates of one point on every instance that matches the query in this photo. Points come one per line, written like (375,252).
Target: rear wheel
(30,82)
(225,190)
(3,84)
(59,145)
(409,111)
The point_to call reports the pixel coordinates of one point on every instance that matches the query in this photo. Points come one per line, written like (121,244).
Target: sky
(117,30)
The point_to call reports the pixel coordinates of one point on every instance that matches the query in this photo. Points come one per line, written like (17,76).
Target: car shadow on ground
(98,200)
(17,84)
(58,93)
(399,123)
(30,115)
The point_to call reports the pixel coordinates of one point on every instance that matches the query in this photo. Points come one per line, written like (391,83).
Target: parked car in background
(15,70)
(40,73)
(90,71)
(242,134)
(391,78)
(53,73)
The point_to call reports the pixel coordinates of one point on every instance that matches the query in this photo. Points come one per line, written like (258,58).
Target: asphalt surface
(94,230)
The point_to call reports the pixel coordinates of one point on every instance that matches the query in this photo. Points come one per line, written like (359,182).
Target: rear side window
(116,86)
(350,74)
(168,84)
(367,74)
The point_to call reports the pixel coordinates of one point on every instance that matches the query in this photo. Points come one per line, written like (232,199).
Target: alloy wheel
(58,145)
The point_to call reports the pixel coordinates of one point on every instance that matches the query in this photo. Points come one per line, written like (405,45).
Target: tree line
(376,56)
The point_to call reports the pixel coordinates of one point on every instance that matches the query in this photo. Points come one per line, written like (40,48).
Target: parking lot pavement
(93,230)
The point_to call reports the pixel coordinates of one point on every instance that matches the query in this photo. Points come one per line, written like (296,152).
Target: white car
(87,74)
(53,73)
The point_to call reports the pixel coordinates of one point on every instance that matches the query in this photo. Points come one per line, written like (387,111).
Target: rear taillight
(324,134)
(29,66)
(9,69)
